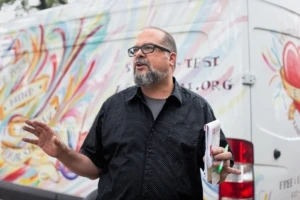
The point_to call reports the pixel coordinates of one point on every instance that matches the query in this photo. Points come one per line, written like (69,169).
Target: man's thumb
(57,142)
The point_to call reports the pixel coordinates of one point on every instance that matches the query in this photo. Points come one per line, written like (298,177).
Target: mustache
(141,61)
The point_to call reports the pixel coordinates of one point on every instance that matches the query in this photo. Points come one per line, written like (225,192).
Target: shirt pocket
(181,142)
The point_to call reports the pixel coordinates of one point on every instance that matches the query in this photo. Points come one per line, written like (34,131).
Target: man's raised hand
(46,138)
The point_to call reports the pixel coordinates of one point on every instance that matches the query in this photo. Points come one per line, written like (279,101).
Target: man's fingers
(31,141)
(218,150)
(233,171)
(226,163)
(223,156)
(216,163)
(29,123)
(41,125)
(28,129)
(31,130)
(36,124)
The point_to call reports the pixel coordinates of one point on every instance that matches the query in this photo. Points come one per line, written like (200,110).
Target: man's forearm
(79,164)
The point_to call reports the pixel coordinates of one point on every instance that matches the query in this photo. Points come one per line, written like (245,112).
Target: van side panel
(275,61)
(60,66)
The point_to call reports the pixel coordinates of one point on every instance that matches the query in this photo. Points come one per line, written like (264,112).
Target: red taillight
(233,190)
(239,186)
(242,150)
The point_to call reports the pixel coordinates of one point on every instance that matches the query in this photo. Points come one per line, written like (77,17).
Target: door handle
(277,154)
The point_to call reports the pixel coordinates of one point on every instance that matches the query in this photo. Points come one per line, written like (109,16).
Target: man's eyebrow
(148,43)
(143,44)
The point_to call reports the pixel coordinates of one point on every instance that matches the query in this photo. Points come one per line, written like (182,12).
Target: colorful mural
(62,69)
(279,63)
(282,59)
(49,85)
(290,75)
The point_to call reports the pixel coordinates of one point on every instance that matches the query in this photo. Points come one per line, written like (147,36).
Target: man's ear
(173,57)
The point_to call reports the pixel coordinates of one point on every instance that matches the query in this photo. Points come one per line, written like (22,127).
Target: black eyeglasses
(147,48)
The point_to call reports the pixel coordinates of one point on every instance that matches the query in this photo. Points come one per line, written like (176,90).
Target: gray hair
(168,40)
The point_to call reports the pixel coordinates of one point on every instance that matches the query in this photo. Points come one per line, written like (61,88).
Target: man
(147,142)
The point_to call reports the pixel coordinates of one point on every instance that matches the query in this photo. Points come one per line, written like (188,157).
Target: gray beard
(150,77)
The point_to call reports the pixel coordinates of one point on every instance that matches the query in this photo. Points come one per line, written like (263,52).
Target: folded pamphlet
(212,141)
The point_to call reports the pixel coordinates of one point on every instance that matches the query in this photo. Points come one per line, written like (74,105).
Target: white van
(243,56)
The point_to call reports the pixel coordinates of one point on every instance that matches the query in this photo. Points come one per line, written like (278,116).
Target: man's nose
(139,53)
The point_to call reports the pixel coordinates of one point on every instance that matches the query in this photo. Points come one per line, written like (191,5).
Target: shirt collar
(137,92)
(177,91)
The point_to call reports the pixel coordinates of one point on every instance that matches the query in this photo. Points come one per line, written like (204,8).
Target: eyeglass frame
(141,47)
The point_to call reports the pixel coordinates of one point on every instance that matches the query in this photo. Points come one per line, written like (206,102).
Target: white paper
(212,137)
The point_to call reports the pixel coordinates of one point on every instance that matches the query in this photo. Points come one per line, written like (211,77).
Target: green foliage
(6,2)
(44,4)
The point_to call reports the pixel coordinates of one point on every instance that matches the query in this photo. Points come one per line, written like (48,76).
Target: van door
(275,61)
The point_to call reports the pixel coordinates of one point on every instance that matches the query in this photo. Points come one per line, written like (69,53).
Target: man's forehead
(149,36)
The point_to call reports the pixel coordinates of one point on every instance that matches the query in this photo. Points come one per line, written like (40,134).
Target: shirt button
(152,129)
(150,151)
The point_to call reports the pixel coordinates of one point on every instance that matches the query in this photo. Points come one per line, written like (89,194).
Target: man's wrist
(64,153)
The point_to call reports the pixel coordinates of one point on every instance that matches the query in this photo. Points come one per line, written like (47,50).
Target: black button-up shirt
(143,158)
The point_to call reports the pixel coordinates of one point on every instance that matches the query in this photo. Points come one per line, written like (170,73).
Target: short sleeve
(92,146)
